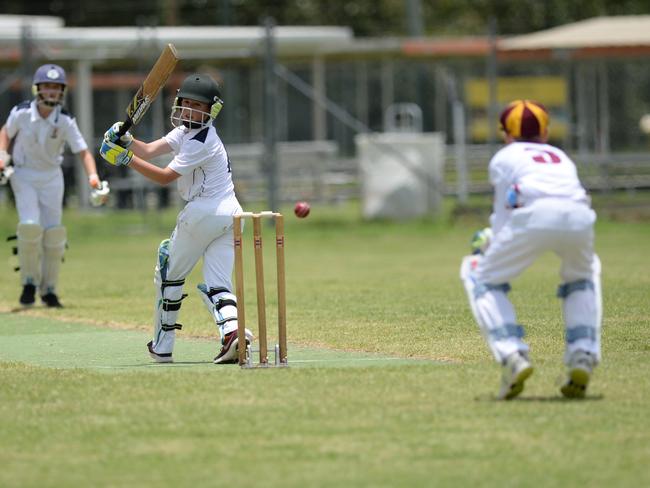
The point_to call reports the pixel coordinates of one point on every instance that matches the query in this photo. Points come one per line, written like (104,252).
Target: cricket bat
(149,89)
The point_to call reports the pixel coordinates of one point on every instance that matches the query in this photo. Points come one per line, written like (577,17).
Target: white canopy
(599,32)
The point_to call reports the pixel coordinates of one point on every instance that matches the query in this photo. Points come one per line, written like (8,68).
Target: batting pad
(493,311)
(582,309)
(222,306)
(30,237)
(169,295)
(54,241)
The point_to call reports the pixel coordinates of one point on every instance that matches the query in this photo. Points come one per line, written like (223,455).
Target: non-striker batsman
(39,130)
(539,206)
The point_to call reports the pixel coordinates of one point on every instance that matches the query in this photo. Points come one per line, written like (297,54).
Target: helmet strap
(215,108)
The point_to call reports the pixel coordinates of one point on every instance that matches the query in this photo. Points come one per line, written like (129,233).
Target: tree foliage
(366,17)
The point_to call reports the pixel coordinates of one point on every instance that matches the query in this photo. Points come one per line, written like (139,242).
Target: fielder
(204,228)
(39,130)
(539,206)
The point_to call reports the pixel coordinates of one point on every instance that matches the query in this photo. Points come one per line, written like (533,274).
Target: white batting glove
(99,196)
(111,135)
(5,170)
(5,158)
(5,174)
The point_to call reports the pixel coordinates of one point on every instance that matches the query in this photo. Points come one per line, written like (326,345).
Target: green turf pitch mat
(59,344)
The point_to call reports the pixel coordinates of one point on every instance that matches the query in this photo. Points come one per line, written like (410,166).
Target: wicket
(245,354)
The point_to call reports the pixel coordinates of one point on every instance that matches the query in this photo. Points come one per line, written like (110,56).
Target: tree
(374,18)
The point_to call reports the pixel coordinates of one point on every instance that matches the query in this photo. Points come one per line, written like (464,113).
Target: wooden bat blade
(152,84)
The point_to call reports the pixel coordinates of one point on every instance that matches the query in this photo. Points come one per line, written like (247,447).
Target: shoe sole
(517,386)
(158,359)
(576,387)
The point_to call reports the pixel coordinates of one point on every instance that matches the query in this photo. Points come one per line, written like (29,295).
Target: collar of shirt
(36,116)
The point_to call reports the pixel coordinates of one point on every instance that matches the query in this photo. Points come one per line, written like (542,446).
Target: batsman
(539,206)
(204,227)
(38,131)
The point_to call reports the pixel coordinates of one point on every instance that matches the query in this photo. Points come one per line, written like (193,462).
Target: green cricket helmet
(201,88)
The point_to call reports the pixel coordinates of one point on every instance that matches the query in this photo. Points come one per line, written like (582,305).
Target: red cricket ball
(301,210)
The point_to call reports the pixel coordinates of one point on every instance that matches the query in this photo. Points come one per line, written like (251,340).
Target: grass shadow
(540,399)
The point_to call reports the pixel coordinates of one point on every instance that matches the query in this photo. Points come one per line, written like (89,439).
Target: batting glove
(5,174)
(5,157)
(115,154)
(99,196)
(111,135)
(481,241)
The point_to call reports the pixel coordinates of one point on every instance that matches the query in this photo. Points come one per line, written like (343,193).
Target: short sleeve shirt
(538,171)
(201,159)
(40,141)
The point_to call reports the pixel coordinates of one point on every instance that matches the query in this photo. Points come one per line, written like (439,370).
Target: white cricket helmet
(49,73)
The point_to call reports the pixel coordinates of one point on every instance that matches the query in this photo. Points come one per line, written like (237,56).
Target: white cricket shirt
(538,170)
(201,159)
(39,142)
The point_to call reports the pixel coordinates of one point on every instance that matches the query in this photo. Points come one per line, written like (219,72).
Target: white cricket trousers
(565,228)
(39,196)
(204,230)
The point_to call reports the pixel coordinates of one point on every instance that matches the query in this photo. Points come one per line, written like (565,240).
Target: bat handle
(126,125)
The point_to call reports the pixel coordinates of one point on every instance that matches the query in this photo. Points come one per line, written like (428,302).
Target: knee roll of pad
(563,291)
(162,262)
(29,231)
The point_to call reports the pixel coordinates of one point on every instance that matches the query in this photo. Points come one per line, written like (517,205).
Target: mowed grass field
(82,405)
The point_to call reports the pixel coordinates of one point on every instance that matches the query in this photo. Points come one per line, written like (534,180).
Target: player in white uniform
(39,129)
(204,228)
(539,206)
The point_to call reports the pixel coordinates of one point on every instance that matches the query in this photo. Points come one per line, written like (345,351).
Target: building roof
(599,36)
(55,41)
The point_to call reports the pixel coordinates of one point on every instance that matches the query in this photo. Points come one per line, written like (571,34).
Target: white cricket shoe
(581,365)
(229,349)
(516,370)
(159,357)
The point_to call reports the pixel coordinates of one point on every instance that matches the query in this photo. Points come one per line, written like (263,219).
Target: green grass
(355,289)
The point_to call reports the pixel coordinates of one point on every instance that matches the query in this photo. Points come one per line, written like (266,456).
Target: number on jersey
(543,156)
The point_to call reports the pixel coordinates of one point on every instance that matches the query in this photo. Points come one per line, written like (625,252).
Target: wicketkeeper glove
(115,154)
(99,196)
(481,240)
(111,135)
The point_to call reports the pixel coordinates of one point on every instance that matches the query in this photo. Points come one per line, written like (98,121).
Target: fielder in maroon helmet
(539,206)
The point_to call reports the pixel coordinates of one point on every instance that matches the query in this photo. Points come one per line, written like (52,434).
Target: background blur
(393,102)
